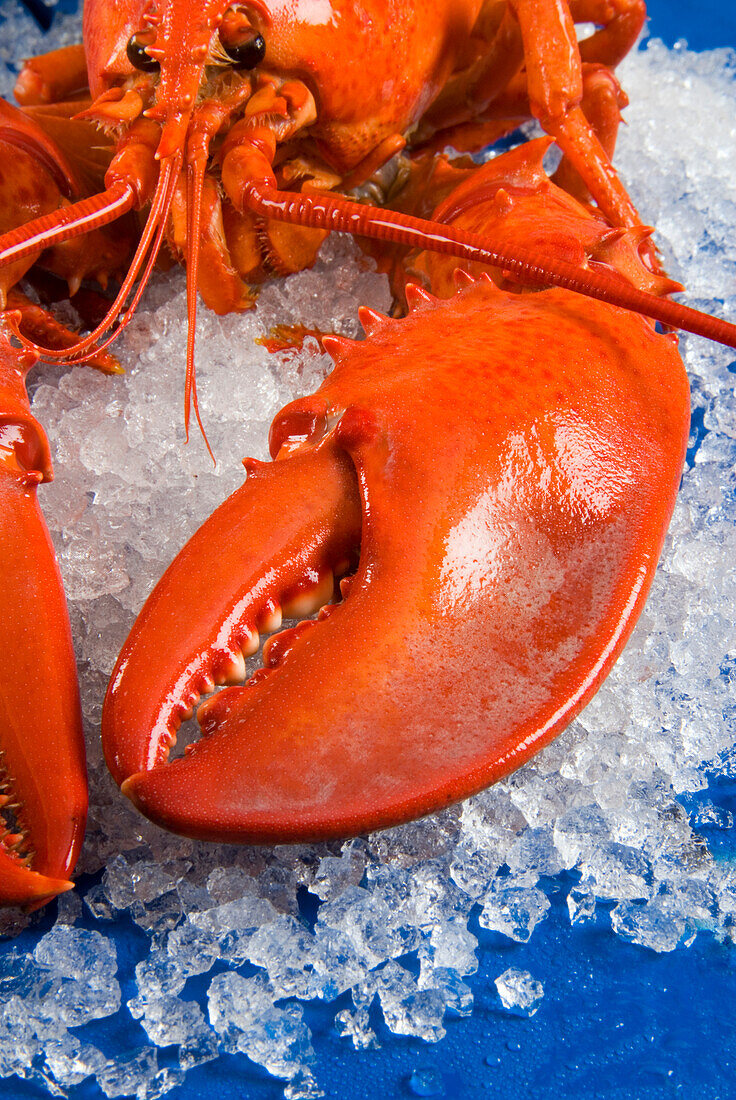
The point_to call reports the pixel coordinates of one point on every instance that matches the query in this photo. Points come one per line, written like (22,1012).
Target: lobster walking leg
(550,88)
(50,77)
(555,88)
(42,768)
(601,105)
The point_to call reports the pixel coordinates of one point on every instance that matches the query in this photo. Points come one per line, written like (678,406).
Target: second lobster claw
(43,780)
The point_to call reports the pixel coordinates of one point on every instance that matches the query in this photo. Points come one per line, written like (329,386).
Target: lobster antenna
(66,222)
(337,214)
(195,182)
(156,218)
(127,316)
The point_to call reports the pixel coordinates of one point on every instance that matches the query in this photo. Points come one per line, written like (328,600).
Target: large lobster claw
(43,782)
(508,465)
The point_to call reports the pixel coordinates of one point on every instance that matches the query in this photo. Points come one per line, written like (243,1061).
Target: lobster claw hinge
(357,428)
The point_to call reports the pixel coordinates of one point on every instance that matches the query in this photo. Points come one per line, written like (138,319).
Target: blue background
(616,1021)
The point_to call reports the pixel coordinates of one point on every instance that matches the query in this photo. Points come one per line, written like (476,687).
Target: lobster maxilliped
(505,464)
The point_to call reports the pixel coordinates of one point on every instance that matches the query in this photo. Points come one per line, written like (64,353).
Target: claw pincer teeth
(271,619)
(234,671)
(223,601)
(277,648)
(311,595)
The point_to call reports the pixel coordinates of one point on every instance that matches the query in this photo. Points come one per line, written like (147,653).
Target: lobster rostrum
(506,496)
(43,781)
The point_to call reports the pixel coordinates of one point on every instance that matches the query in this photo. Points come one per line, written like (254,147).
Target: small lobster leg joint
(43,783)
(555,87)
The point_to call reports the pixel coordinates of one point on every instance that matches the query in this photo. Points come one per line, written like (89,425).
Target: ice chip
(513,911)
(519,992)
(655,925)
(581,904)
(243,1013)
(303,1086)
(356,1026)
(77,953)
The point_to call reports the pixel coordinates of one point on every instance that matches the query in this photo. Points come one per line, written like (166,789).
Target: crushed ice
(519,993)
(600,801)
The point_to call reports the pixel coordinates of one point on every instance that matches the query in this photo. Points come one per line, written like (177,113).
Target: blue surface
(615,1021)
(704,25)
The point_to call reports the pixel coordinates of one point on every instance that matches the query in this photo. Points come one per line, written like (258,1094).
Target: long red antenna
(337,214)
(66,222)
(195,181)
(156,218)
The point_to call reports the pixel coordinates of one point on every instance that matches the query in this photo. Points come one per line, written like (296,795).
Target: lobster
(263,94)
(506,498)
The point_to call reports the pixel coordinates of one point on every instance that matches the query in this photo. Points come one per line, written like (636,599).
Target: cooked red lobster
(509,501)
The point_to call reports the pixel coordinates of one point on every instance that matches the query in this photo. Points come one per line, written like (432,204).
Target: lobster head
(372,68)
(208,98)
(504,466)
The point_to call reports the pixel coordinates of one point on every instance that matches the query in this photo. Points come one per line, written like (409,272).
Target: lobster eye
(139,58)
(248,54)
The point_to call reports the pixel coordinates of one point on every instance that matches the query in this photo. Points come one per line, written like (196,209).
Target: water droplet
(426,1082)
